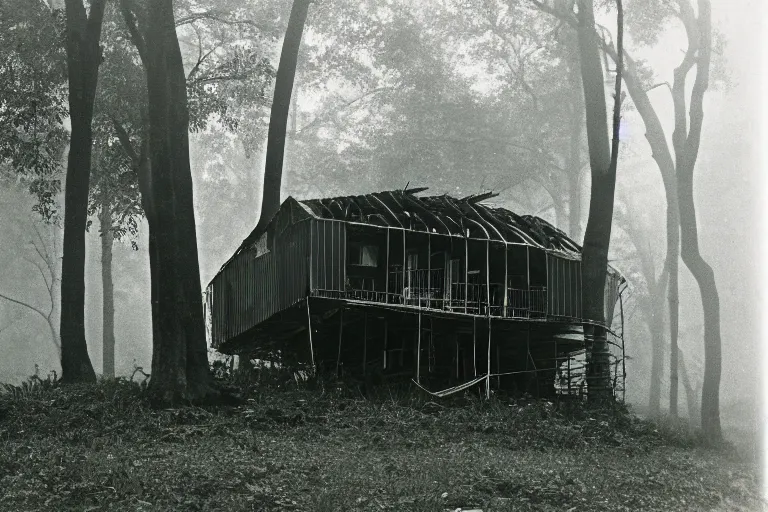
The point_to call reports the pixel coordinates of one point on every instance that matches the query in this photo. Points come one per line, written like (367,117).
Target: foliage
(33,97)
(102,446)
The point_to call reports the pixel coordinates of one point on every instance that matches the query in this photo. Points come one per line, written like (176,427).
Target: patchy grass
(101,447)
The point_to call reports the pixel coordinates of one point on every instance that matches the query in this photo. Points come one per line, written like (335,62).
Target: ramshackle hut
(448,292)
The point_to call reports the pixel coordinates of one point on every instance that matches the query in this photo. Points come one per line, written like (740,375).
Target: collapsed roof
(443,214)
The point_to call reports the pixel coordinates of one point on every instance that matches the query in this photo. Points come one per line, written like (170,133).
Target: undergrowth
(300,443)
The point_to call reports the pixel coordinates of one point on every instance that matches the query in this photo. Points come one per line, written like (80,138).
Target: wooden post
(466,270)
(418,352)
(309,330)
(474,344)
(429,270)
(623,354)
(571,295)
(457,356)
(528,277)
(506,280)
(365,340)
(386,339)
(341,331)
(498,367)
(311,255)
(404,269)
(547,292)
(557,364)
(488,377)
(488,276)
(581,295)
(386,272)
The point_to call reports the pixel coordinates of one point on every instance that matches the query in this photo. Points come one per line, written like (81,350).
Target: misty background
(340,148)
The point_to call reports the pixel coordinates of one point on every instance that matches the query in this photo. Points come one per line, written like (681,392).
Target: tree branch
(617,87)
(95,19)
(219,17)
(21,303)
(127,8)
(349,103)
(47,257)
(42,274)
(700,84)
(125,140)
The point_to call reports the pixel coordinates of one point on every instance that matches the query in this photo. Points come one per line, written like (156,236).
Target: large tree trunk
(179,360)
(603,160)
(574,153)
(686,142)
(83,58)
(108,295)
(278,119)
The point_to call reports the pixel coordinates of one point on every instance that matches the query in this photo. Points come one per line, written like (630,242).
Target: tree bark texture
(83,58)
(278,119)
(603,171)
(108,293)
(180,369)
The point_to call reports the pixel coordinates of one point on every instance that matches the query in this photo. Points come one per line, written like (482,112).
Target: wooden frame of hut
(444,291)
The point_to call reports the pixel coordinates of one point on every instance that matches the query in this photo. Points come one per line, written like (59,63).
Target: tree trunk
(83,58)
(686,142)
(54,317)
(108,296)
(179,360)
(656,327)
(574,153)
(278,119)
(603,160)
(690,394)
(673,294)
(654,133)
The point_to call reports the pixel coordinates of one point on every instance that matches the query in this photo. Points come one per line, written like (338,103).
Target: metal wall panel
(328,255)
(563,287)
(250,289)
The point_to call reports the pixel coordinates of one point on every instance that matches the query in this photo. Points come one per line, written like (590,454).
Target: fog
(227,195)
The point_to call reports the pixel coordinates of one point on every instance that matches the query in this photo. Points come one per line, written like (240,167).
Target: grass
(101,447)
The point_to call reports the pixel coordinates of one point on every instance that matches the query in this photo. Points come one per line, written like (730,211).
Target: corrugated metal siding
(328,255)
(563,287)
(251,289)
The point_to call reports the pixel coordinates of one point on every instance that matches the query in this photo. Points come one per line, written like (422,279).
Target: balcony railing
(433,289)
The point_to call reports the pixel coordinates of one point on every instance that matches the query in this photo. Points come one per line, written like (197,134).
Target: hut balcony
(435,289)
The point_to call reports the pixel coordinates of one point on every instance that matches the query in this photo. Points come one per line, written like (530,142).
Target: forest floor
(101,447)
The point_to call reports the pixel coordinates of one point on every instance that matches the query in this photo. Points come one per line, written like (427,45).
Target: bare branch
(662,84)
(219,17)
(47,257)
(42,274)
(349,103)
(24,304)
